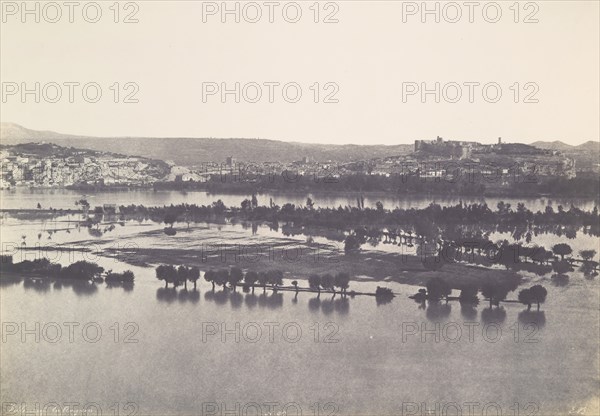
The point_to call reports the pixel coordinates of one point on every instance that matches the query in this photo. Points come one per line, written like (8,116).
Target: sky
(339,72)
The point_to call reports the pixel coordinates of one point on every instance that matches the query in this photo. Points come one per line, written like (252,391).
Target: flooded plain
(177,351)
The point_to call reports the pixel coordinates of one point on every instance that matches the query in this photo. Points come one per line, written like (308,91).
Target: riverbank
(438,191)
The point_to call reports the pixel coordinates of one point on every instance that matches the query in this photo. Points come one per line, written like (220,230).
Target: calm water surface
(365,358)
(371,366)
(24,198)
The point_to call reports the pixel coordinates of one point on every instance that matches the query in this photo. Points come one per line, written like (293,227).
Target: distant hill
(555,145)
(558,145)
(11,133)
(193,151)
(586,155)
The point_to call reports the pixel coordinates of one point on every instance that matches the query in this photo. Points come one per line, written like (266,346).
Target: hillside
(586,155)
(555,145)
(194,151)
(558,145)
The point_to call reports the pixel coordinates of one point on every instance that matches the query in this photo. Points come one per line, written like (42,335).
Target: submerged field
(352,354)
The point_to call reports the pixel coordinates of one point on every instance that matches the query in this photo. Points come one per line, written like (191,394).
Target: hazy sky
(371,55)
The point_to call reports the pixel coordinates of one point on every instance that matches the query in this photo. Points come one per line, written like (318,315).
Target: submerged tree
(263,279)
(437,288)
(351,244)
(383,295)
(193,275)
(468,295)
(587,255)
(314,282)
(83,270)
(525,298)
(494,292)
(562,267)
(182,275)
(250,278)
(222,277)
(342,280)
(538,294)
(209,276)
(535,294)
(327,281)
(235,277)
(275,278)
(167,273)
(562,250)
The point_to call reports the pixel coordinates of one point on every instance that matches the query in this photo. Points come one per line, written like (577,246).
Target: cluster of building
(502,163)
(440,158)
(46,165)
(233,170)
(464,149)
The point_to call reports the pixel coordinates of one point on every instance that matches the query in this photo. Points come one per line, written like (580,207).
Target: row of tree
(357,177)
(177,275)
(513,256)
(329,282)
(350,217)
(235,277)
(495,292)
(220,277)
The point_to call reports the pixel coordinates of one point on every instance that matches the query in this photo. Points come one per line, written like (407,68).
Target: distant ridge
(586,155)
(12,133)
(558,145)
(193,151)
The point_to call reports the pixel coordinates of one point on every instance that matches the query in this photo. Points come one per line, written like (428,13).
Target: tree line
(234,277)
(395,184)
(437,289)
(420,221)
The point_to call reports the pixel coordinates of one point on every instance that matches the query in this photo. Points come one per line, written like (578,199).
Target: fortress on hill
(465,150)
(546,162)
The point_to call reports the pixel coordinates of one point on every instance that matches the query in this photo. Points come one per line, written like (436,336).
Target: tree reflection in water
(192,296)
(236,299)
(437,311)
(314,304)
(39,285)
(342,305)
(250,300)
(560,280)
(493,315)
(535,318)
(468,311)
(164,294)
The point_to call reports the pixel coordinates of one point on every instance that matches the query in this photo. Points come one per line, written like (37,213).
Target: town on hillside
(48,165)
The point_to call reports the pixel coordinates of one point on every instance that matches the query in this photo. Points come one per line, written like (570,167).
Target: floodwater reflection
(537,318)
(39,285)
(166,294)
(468,311)
(236,299)
(493,315)
(185,295)
(437,311)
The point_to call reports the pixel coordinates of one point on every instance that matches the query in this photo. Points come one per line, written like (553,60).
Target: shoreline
(303,192)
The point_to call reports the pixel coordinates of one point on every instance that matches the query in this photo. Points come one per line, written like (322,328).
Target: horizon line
(411,142)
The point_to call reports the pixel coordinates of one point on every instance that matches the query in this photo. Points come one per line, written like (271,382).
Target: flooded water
(22,198)
(177,352)
(164,351)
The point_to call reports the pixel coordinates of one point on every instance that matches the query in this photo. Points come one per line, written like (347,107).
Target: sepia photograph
(300,208)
